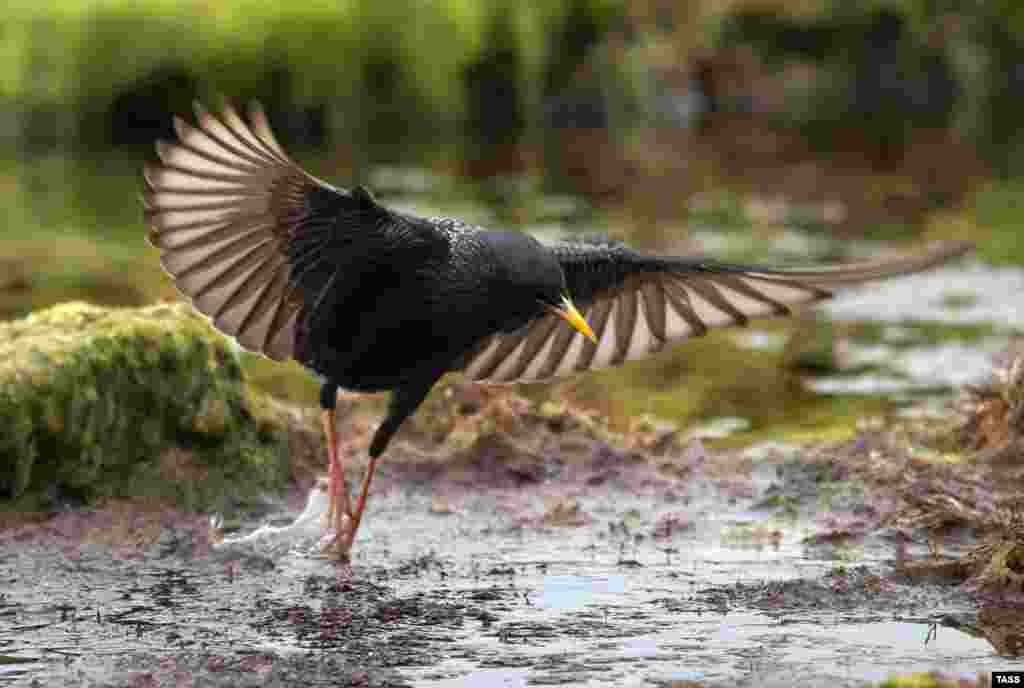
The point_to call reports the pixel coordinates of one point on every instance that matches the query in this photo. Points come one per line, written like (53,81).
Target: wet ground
(724,568)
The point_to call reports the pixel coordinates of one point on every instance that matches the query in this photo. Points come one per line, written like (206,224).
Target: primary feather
(256,243)
(293,267)
(636,304)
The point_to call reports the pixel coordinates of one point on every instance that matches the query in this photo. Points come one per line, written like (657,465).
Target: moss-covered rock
(132,402)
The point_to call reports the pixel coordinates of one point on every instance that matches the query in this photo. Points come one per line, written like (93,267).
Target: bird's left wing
(256,243)
(637,303)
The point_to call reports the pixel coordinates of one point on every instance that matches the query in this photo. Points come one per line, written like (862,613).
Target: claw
(337,542)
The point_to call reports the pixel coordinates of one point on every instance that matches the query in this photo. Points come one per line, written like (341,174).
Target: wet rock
(564,512)
(840,588)
(948,570)
(442,505)
(464,411)
(832,537)
(134,402)
(497,460)
(672,524)
(563,417)
(652,434)
(995,567)
(1003,626)
(1004,569)
(995,411)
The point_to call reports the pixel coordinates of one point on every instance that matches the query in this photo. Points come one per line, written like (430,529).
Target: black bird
(373,299)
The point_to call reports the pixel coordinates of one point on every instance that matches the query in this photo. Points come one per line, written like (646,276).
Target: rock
(497,460)
(442,506)
(995,412)
(93,400)
(564,512)
(1004,570)
(816,346)
(1004,628)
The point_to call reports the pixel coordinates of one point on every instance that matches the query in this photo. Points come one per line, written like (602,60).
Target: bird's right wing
(637,303)
(256,243)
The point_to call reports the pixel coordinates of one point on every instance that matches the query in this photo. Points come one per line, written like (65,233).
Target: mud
(594,566)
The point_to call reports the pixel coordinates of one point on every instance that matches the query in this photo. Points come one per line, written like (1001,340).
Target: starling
(372,299)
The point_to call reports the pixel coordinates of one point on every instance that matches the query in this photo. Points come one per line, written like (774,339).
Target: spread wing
(257,244)
(637,304)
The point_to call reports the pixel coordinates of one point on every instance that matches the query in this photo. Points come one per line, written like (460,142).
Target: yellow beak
(572,316)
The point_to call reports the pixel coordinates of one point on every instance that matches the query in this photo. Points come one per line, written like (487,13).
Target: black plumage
(373,299)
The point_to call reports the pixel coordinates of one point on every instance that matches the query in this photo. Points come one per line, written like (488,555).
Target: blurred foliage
(74,233)
(132,402)
(996,209)
(891,66)
(395,75)
(993,217)
(364,67)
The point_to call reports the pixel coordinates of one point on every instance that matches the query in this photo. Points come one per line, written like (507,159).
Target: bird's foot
(340,518)
(337,541)
(339,521)
(345,520)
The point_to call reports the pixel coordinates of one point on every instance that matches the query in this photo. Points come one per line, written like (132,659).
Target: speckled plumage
(373,299)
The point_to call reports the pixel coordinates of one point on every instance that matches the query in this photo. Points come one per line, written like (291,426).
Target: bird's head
(533,279)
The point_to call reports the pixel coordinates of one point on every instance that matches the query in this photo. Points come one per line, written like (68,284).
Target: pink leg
(346,535)
(361,504)
(339,509)
(339,505)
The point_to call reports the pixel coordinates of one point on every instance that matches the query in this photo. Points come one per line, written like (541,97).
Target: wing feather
(252,240)
(636,304)
(655,310)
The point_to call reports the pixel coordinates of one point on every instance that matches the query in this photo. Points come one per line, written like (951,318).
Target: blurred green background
(676,125)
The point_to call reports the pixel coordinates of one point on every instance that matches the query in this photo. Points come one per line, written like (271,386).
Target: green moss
(114,402)
(288,381)
(51,267)
(991,217)
(919,680)
(722,210)
(372,62)
(712,377)
(996,211)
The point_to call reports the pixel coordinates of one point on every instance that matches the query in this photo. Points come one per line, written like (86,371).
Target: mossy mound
(132,402)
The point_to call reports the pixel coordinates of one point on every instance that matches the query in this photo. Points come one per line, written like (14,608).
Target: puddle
(984,295)
(926,368)
(576,592)
(754,646)
(905,364)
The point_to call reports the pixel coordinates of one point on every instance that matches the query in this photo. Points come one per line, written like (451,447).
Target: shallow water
(712,579)
(607,604)
(966,294)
